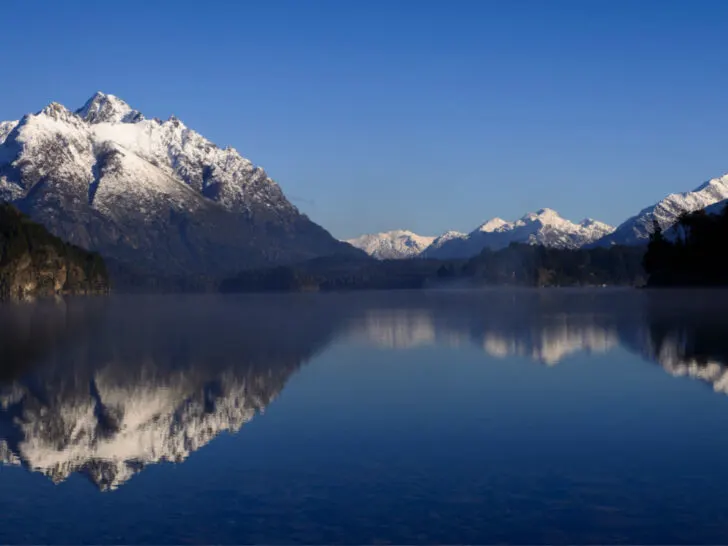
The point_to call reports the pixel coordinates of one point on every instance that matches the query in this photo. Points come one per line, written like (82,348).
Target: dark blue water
(422,417)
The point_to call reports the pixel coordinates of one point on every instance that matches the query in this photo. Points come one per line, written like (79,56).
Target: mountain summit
(392,245)
(543,227)
(152,195)
(102,108)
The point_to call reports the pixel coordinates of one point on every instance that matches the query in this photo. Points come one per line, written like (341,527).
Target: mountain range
(153,195)
(156,198)
(546,227)
(543,227)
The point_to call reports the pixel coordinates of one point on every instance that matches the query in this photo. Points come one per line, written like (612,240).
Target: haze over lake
(522,416)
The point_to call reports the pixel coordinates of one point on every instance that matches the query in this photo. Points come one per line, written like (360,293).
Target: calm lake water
(556,416)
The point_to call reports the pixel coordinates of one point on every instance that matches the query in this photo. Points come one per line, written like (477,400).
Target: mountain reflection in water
(107,386)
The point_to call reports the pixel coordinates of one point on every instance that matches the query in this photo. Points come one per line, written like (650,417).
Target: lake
(509,416)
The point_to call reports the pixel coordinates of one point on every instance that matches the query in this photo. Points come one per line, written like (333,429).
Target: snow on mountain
(152,194)
(544,227)
(494,224)
(5,128)
(392,245)
(637,229)
(676,231)
(442,240)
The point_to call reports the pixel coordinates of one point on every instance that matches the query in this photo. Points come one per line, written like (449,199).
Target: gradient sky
(408,114)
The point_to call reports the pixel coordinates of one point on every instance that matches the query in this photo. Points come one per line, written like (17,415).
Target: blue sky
(408,114)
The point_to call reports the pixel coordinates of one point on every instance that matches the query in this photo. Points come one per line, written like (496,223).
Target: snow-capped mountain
(637,230)
(392,245)
(544,227)
(154,195)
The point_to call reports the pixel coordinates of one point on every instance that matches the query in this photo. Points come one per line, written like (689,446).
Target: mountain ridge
(666,212)
(543,227)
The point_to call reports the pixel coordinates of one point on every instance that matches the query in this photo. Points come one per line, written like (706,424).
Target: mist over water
(405,417)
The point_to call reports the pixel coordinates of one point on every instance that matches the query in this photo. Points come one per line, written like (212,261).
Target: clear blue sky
(416,114)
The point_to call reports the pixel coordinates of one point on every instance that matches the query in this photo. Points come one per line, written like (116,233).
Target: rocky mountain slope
(153,195)
(637,229)
(34,263)
(392,245)
(544,227)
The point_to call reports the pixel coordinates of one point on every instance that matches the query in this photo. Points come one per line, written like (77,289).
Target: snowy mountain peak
(55,111)
(176,122)
(103,108)
(491,225)
(543,215)
(392,245)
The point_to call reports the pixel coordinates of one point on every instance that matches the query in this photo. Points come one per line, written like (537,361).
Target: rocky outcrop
(34,263)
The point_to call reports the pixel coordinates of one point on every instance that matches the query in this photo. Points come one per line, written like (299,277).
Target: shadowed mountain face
(105,387)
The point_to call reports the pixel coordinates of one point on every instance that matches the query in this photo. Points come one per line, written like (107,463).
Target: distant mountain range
(546,227)
(392,245)
(153,195)
(543,227)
